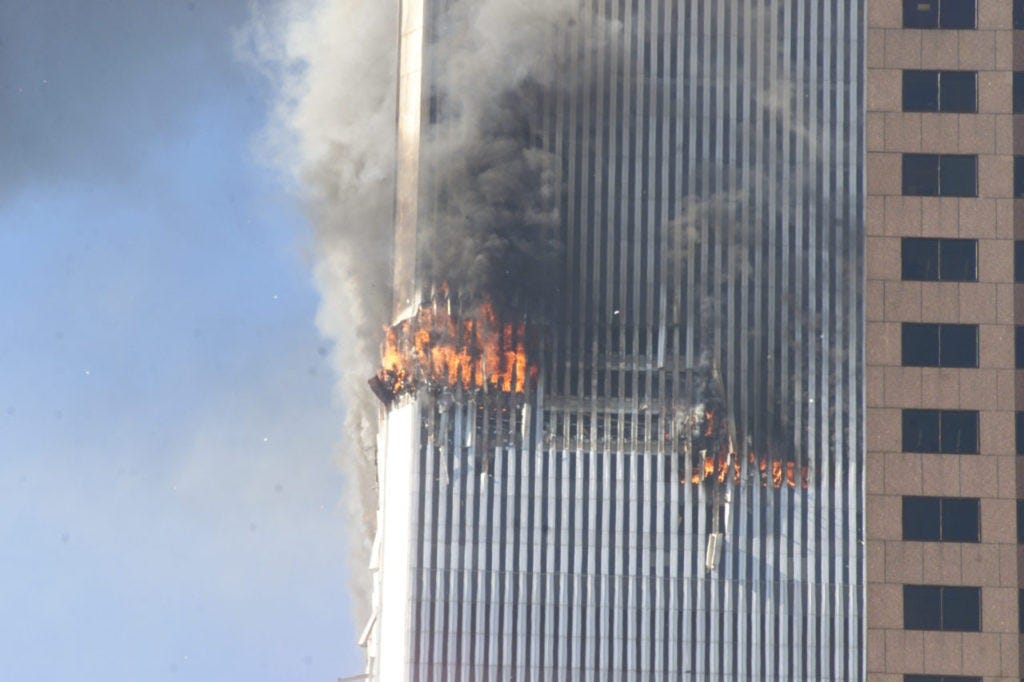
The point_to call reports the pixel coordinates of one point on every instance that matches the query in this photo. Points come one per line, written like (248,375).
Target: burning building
(620,397)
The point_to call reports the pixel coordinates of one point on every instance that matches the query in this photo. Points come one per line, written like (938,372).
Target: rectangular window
(949,14)
(1018,177)
(946,175)
(1020,522)
(942,607)
(940,431)
(939,345)
(940,260)
(943,91)
(1018,92)
(1020,433)
(1018,347)
(1018,261)
(940,519)
(1018,14)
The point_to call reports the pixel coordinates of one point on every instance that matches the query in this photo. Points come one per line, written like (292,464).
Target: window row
(948,431)
(951,608)
(947,519)
(940,678)
(955,92)
(926,344)
(950,14)
(949,175)
(925,259)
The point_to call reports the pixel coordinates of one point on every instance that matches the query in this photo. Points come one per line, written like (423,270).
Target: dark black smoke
(495,232)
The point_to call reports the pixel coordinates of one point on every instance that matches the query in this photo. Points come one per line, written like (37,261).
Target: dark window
(1020,522)
(1018,261)
(946,91)
(1018,177)
(940,345)
(1020,610)
(940,431)
(942,260)
(920,14)
(920,91)
(940,519)
(1020,433)
(1018,347)
(959,432)
(934,607)
(1018,92)
(947,175)
(921,174)
(958,91)
(1018,14)
(950,14)
(958,175)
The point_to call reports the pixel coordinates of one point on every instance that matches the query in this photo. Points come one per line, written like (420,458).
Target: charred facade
(626,443)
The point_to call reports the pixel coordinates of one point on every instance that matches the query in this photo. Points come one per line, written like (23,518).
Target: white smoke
(333,64)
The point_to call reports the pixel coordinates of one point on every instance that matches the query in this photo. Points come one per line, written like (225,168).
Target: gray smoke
(494,229)
(334,65)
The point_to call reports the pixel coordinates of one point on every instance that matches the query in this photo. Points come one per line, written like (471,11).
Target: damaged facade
(646,461)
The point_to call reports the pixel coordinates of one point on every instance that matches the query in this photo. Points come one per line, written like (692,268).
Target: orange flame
(773,473)
(476,352)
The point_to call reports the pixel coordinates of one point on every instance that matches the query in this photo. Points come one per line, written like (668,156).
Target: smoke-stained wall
(712,190)
(658,188)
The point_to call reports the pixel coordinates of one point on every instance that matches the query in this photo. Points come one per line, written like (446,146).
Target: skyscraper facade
(655,470)
(944,345)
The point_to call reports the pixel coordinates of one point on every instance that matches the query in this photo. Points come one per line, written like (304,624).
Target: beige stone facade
(994,564)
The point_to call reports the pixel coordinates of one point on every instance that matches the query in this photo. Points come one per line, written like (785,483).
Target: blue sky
(170,507)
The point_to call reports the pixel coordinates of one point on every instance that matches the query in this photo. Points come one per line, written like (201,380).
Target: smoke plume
(493,228)
(333,63)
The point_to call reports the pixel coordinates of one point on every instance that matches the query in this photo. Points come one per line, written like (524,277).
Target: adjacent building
(944,430)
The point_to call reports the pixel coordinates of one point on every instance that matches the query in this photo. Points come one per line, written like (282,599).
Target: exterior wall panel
(991,474)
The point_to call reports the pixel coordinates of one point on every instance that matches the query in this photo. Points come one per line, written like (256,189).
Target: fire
(773,473)
(471,351)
